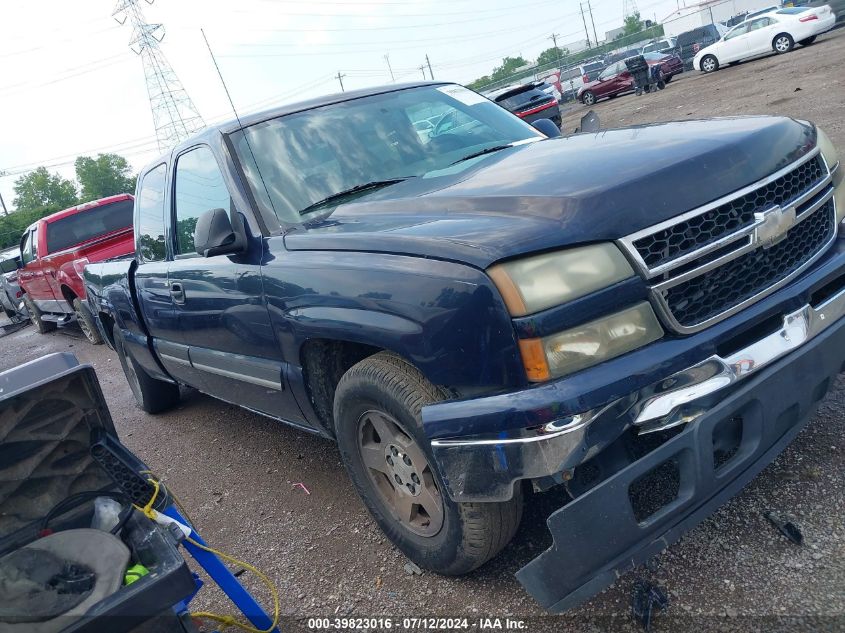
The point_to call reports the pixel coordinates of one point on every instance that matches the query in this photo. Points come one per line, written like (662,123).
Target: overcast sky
(70,85)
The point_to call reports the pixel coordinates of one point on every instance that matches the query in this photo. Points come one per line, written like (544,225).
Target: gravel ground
(235,471)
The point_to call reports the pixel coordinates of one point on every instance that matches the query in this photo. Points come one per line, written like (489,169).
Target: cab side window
(150,203)
(199,188)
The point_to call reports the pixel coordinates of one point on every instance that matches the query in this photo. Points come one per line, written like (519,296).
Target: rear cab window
(88,225)
(150,237)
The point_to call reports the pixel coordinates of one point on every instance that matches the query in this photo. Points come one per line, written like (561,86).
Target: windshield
(309,156)
(87,225)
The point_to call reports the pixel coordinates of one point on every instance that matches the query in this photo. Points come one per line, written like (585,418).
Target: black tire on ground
(807,41)
(668,78)
(153,396)
(386,387)
(783,43)
(588,98)
(709,64)
(35,316)
(87,323)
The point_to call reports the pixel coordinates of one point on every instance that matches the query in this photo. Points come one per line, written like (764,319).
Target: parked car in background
(778,31)
(616,79)
(10,290)
(666,45)
(530,102)
(690,42)
(753,14)
(55,250)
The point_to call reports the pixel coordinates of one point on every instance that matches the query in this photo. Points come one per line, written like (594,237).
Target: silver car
(10,290)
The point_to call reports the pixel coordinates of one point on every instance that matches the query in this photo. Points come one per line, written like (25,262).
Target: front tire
(378,424)
(783,43)
(86,323)
(588,98)
(709,64)
(807,41)
(153,396)
(35,316)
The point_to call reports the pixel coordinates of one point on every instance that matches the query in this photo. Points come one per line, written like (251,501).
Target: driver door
(735,44)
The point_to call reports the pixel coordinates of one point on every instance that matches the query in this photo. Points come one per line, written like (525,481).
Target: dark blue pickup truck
(644,316)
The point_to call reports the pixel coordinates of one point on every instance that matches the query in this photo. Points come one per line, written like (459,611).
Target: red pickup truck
(55,250)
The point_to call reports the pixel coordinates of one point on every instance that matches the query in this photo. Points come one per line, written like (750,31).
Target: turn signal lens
(534,359)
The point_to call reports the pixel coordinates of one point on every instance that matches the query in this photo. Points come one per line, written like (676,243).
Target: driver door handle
(177,293)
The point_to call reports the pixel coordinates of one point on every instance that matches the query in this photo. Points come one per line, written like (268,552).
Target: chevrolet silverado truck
(54,251)
(485,311)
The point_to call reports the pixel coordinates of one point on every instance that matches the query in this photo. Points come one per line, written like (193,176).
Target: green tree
(507,67)
(40,189)
(633,23)
(479,83)
(552,55)
(106,175)
(13,225)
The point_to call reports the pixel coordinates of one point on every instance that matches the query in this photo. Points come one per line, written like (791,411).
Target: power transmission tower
(174,115)
(629,7)
(584,20)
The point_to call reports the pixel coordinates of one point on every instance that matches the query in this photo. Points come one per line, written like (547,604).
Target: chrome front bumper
(485,468)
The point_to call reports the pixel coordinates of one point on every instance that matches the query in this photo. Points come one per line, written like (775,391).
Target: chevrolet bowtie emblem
(772,225)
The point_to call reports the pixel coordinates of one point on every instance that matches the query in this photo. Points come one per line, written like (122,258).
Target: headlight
(590,344)
(535,283)
(831,157)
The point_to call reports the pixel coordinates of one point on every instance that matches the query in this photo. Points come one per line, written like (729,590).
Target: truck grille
(700,230)
(722,288)
(713,261)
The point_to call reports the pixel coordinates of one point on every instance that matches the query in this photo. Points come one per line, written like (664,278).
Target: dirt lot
(235,471)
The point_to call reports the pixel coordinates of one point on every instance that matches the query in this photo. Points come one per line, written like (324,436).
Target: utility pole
(422,68)
(340,79)
(174,115)
(595,35)
(427,61)
(3,204)
(387,59)
(584,20)
(553,37)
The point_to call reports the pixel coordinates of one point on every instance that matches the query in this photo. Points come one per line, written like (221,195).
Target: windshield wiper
(375,184)
(482,152)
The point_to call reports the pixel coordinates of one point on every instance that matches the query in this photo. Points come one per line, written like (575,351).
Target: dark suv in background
(690,42)
(530,102)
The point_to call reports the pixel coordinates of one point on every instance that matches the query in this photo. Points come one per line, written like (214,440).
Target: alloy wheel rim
(782,44)
(708,64)
(400,473)
(589,99)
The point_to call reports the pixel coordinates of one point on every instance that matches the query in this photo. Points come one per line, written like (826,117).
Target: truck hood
(561,192)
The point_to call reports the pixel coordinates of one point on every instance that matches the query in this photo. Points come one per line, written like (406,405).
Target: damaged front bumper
(759,397)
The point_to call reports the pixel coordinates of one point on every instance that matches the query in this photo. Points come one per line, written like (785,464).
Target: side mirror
(547,127)
(214,234)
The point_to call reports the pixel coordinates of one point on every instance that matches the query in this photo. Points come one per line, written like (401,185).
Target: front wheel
(783,43)
(588,98)
(807,41)
(35,316)
(86,323)
(378,425)
(153,396)
(709,64)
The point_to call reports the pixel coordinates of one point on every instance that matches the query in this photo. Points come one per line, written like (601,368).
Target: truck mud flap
(603,534)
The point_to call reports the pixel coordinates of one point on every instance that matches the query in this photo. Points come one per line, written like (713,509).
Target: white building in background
(609,36)
(577,46)
(709,12)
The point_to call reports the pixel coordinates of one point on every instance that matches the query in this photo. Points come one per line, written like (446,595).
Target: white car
(777,31)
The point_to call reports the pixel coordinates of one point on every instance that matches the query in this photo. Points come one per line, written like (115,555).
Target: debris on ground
(299,484)
(645,598)
(787,528)
(412,569)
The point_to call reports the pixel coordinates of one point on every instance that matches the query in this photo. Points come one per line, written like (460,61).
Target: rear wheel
(783,43)
(588,98)
(807,41)
(87,323)
(35,316)
(153,396)
(377,417)
(709,64)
